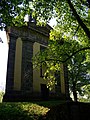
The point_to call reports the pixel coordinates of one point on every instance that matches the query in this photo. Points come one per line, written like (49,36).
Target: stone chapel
(23,82)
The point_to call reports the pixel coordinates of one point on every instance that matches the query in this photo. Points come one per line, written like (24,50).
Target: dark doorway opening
(44,92)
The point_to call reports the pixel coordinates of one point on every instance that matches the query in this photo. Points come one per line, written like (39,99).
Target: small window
(42,48)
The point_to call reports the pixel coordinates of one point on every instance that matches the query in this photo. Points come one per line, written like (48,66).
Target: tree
(77,68)
(74,21)
(70,37)
(61,50)
(65,10)
(13,12)
(68,12)
(86,92)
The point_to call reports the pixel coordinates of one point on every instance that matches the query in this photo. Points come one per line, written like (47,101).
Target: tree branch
(86,48)
(84,27)
(76,30)
(63,61)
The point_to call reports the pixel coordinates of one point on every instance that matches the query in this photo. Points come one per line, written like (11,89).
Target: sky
(3,59)
(51,23)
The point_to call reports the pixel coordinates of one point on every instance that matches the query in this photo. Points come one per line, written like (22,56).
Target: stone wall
(27,67)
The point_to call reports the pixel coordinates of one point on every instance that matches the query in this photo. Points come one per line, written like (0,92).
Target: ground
(44,110)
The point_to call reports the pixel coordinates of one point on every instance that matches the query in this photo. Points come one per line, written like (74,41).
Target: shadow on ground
(30,111)
(69,111)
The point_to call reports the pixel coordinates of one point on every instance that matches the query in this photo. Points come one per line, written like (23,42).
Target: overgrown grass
(44,110)
(21,111)
(26,110)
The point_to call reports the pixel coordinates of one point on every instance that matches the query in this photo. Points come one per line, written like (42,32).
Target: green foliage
(66,48)
(12,12)
(84,100)
(69,13)
(86,91)
(77,71)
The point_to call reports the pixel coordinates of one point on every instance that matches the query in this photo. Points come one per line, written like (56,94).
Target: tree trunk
(84,27)
(75,96)
(74,91)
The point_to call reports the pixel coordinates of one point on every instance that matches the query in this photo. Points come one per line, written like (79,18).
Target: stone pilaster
(27,67)
(11,62)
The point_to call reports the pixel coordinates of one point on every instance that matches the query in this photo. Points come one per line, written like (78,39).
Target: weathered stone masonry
(11,62)
(27,67)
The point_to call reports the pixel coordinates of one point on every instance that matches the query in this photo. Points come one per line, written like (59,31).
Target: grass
(51,103)
(44,110)
(25,110)
(21,111)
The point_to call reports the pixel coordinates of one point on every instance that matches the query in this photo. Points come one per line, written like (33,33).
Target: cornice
(28,34)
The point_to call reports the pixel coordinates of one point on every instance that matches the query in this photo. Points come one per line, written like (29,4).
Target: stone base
(26,97)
